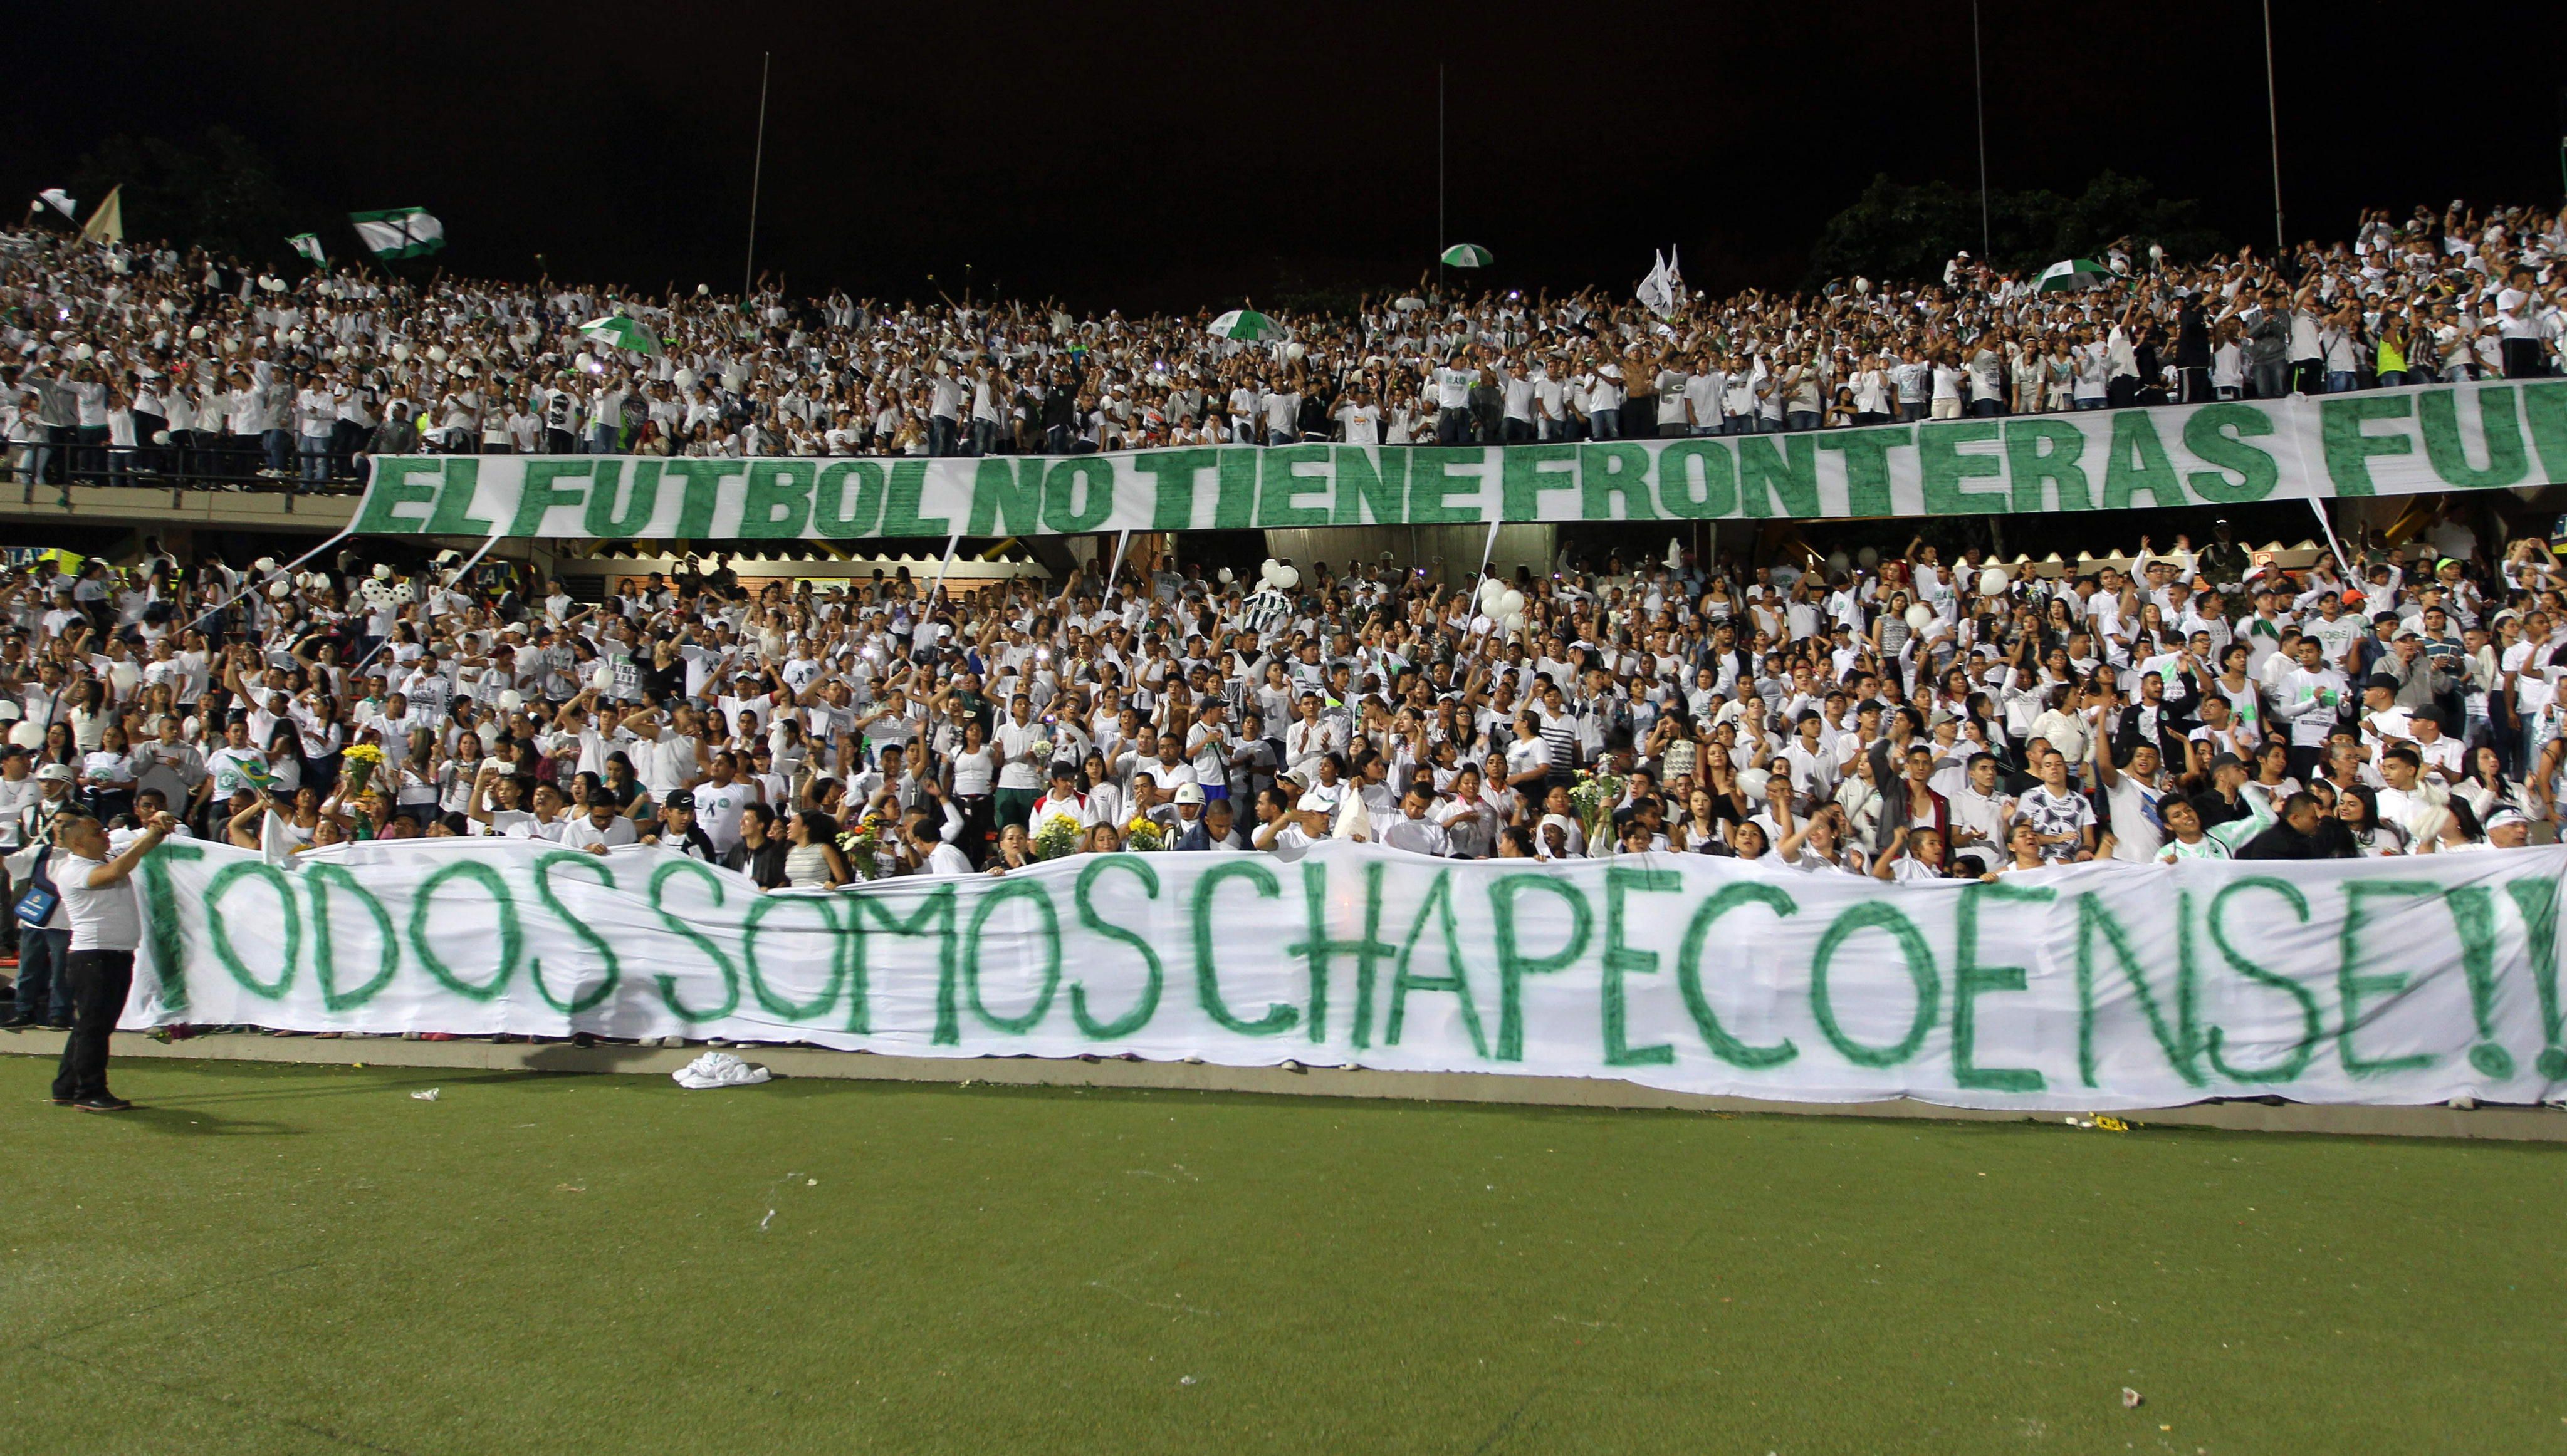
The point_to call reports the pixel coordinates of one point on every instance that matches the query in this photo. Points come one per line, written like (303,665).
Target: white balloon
(280,590)
(1225,577)
(436,353)
(1993,582)
(400,353)
(1287,578)
(1515,622)
(265,564)
(1511,604)
(603,677)
(1919,617)
(382,571)
(1490,590)
(510,700)
(196,332)
(27,733)
(1868,556)
(83,352)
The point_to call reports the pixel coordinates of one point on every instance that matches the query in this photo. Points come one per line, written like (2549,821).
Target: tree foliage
(215,190)
(1903,231)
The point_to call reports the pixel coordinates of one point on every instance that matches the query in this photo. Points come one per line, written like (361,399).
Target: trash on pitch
(429,1096)
(2131,1398)
(719,1069)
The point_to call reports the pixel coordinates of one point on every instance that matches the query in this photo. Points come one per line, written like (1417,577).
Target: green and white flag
(618,332)
(310,247)
(2069,274)
(1467,255)
(400,232)
(1245,324)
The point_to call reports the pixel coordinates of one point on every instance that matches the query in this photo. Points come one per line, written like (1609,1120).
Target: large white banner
(2089,987)
(2435,437)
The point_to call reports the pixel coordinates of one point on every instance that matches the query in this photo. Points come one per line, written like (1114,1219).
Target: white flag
(1656,292)
(107,225)
(58,200)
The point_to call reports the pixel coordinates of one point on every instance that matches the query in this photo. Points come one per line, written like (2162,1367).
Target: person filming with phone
(97,887)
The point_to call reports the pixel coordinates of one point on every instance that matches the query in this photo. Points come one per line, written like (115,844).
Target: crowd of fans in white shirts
(1921,716)
(144,365)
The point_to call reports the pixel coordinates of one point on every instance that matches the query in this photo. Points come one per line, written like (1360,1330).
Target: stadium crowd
(125,365)
(1907,718)
(1916,717)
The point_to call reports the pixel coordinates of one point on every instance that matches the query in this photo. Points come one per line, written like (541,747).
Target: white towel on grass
(719,1069)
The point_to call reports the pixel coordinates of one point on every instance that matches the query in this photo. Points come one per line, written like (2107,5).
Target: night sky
(1157,156)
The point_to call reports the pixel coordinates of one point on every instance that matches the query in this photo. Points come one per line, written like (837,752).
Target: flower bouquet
(1143,835)
(360,764)
(864,845)
(1594,798)
(1059,837)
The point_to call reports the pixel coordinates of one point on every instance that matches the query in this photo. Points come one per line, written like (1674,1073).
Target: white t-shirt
(1017,739)
(101,919)
(719,807)
(581,833)
(2137,834)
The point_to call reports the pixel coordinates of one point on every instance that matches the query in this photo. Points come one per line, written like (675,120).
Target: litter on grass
(2131,1398)
(719,1069)
(429,1096)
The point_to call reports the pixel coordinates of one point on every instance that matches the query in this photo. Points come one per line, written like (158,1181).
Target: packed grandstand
(1933,713)
(153,362)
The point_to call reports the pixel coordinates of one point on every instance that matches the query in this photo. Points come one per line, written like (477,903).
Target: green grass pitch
(294,1259)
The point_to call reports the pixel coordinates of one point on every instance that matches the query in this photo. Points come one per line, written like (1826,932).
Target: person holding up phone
(106,928)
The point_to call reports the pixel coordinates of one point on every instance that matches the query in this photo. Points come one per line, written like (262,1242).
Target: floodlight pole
(2273,120)
(1979,96)
(757,166)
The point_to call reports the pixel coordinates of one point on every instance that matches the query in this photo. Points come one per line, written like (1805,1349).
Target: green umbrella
(2069,274)
(618,332)
(1467,255)
(1246,323)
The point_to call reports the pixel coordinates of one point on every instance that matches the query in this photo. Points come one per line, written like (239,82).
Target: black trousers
(101,980)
